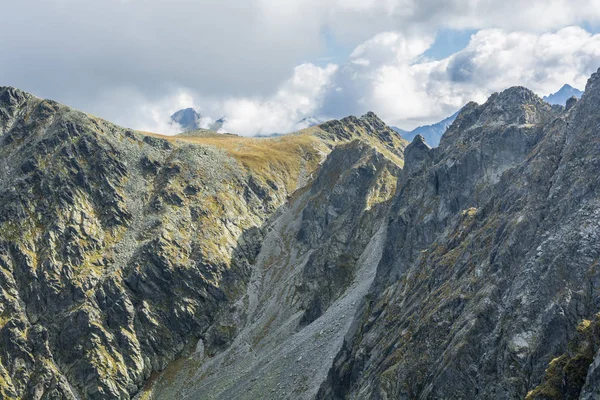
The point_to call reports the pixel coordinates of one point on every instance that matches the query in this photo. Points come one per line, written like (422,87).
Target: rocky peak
(375,125)
(420,140)
(416,152)
(571,102)
(372,118)
(11,101)
(515,106)
(368,128)
(10,96)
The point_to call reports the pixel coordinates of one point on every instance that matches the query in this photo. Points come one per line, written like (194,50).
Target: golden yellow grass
(282,158)
(283,155)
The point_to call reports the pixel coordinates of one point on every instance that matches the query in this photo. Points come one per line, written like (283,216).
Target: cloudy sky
(267,64)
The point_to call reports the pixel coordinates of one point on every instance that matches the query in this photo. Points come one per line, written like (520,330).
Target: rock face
(488,285)
(416,153)
(339,262)
(114,248)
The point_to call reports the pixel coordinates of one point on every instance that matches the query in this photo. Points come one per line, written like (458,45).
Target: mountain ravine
(339,262)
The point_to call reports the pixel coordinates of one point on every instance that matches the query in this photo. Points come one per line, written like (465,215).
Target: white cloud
(238,53)
(386,74)
(407,91)
(387,47)
(297,98)
(140,113)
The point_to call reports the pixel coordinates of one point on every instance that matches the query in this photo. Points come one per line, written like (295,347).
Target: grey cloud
(461,68)
(115,57)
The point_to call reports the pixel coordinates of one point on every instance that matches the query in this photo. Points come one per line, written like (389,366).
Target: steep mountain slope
(313,269)
(431,133)
(490,264)
(119,249)
(563,94)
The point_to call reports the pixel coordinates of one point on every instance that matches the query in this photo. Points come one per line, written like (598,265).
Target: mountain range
(338,262)
(189,119)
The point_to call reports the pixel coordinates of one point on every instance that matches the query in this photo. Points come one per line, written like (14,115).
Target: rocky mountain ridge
(490,268)
(482,277)
(339,262)
(119,249)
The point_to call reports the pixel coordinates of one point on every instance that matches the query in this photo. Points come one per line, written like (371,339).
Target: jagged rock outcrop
(571,101)
(490,264)
(416,153)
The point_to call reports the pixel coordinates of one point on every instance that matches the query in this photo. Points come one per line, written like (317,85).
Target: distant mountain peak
(430,133)
(563,94)
(191,120)
(187,118)
(218,124)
